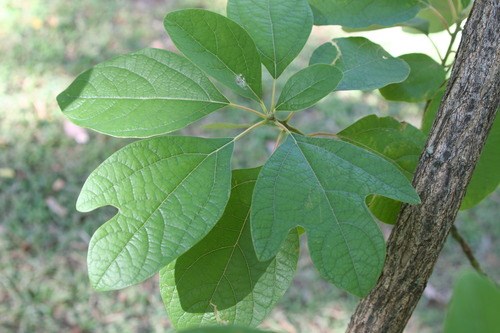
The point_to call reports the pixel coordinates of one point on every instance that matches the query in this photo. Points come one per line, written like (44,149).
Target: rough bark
(445,168)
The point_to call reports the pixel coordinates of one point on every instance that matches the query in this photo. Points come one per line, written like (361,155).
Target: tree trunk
(467,112)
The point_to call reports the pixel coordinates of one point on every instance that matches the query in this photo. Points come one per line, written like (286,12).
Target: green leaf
(485,178)
(220,47)
(223,329)
(474,306)
(432,110)
(169,191)
(141,94)
(399,143)
(363,13)
(220,279)
(280,28)
(439,15)
(321,185)
(308,86)
(426,76)
(365,65)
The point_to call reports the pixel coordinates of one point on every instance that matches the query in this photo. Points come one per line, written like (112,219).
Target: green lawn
(43,240)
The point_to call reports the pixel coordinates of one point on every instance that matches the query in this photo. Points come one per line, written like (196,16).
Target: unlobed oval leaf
(169,191)
(308,86)
(280,28)
(141,94)
(474,305)
(363,13)
(399,143)
(364,65)
(220,47)
(426,76)
(220,279)
(321,185)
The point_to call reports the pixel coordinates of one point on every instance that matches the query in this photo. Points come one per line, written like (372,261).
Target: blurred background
(44,161)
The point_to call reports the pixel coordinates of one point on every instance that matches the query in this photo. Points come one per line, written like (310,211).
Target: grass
(43,240)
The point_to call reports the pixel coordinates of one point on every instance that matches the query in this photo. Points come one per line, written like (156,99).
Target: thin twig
(466,249)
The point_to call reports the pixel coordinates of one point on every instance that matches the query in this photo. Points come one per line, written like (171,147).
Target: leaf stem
(244,108)
(251,128)
(323,134)
(278,140)
(273,95)
(466,249)
(453,35)
(453,10)
(435,48)
(289,128)
(438,15)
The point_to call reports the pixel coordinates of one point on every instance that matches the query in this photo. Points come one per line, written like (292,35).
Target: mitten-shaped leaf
(220,47)
(363,13)
(399,143)
(280,28)
(141,94)
(365,65)
(426,76)
(220,280)
(321,185)
(308,86)
(169,191)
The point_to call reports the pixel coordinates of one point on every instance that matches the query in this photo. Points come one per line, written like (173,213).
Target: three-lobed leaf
(308,86)
(473,306)
(220,279)
(365,65)
(426,77)
(363,13)
(220,47)
(321,185)
(280,28)
(169,191)
(399,143)
(141,94)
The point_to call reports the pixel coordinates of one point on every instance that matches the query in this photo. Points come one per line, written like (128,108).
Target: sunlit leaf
(169,191)
(280,28)
(220,280)
(321,185)
(141,94)
(220,47)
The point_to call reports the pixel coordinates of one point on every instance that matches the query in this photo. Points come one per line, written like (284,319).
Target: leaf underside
(141,94)
(169,191)
(220,279)
(321,185)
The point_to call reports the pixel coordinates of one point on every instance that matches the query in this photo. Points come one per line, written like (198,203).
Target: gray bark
(465,117)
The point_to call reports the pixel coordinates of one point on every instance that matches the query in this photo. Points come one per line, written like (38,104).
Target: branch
(452,150)
(466,249)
